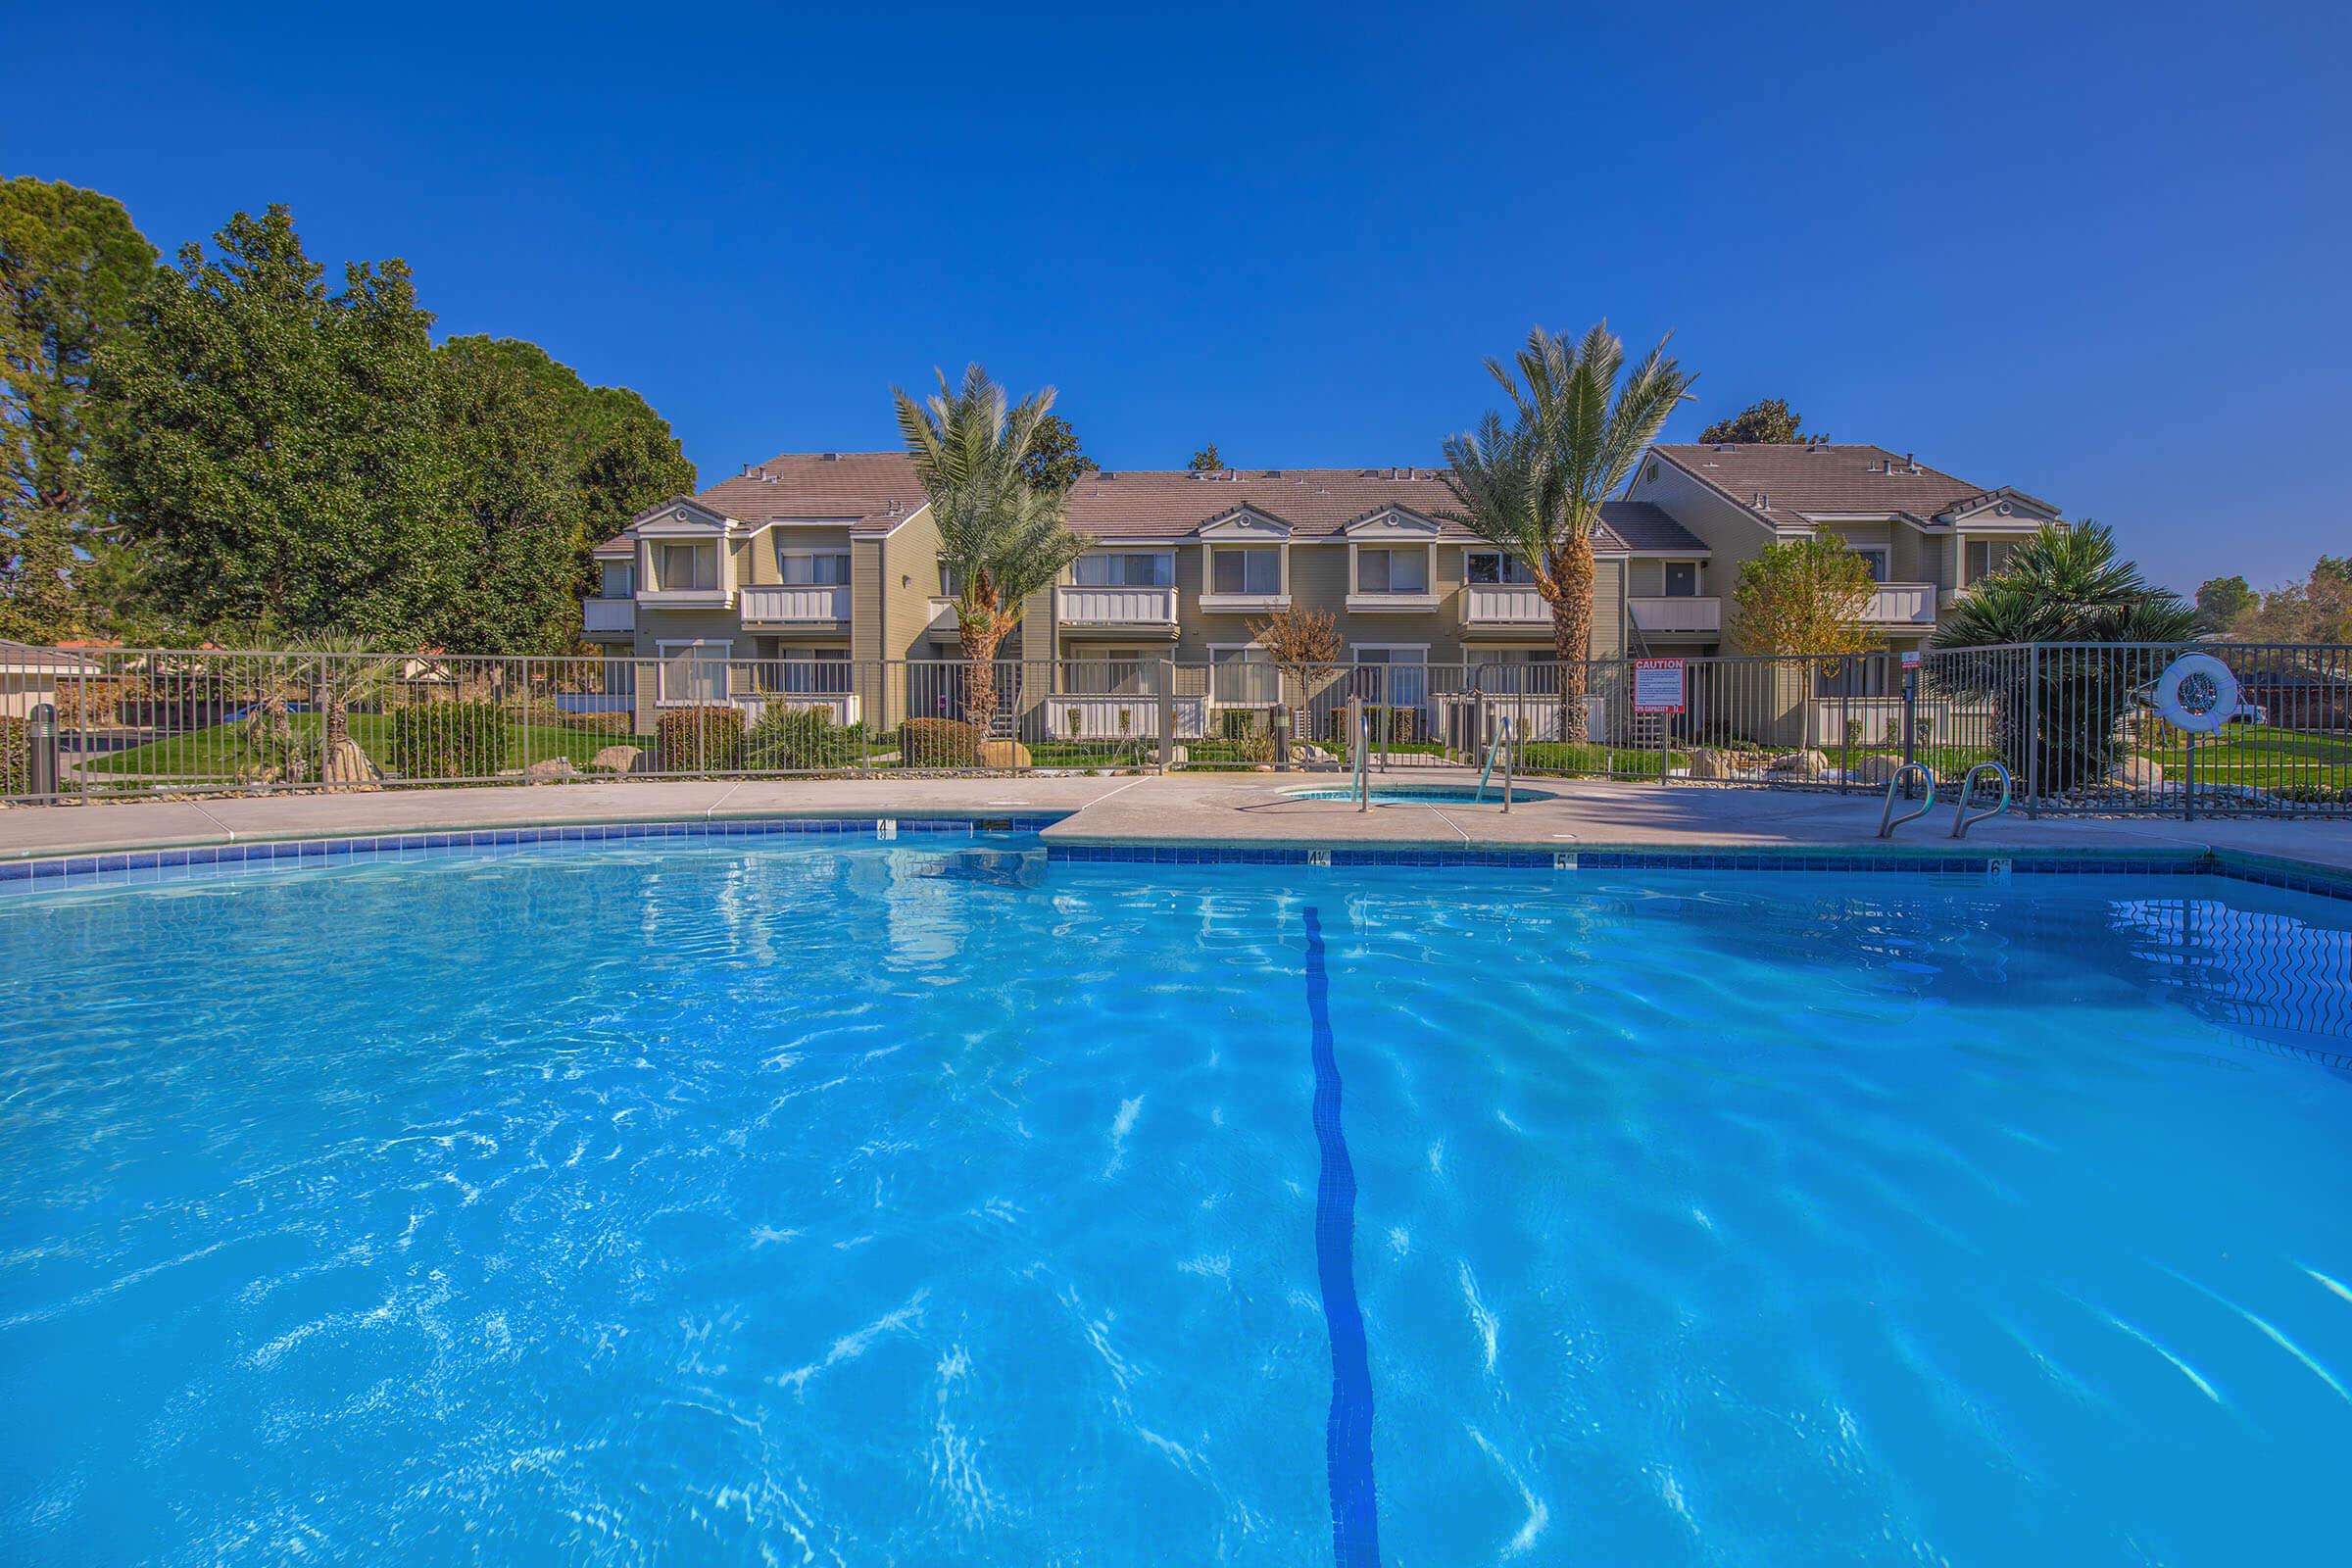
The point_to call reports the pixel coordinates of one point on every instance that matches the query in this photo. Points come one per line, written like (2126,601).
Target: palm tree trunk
(1572,574)
(980,637)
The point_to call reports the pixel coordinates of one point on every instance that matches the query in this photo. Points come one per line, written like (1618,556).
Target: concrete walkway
(1250,809)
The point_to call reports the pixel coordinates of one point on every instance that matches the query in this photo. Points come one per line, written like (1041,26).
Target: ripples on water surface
(848,1205)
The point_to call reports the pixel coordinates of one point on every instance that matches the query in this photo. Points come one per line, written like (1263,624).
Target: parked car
(2246,712)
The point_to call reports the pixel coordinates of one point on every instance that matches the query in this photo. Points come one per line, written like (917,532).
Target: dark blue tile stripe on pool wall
(1347,1430)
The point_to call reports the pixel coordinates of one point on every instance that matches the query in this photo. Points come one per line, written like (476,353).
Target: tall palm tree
(2056,710)
(1002,538)
(1535,487)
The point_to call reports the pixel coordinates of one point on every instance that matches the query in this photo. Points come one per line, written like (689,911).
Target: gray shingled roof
(1803,482)
(1146,504)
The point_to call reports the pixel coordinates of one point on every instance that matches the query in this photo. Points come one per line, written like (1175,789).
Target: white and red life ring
(2196,693)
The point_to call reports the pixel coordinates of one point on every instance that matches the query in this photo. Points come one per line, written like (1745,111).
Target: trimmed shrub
(15,757)
(793,739)
(699,739)
(446,739)
(939,742)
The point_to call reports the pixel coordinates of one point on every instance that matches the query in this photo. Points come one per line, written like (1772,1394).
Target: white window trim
(812,553)
(1213,601)
(652,591)
(1362,602)
(1501,555)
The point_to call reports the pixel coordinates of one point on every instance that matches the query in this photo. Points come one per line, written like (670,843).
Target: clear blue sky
(2099,255)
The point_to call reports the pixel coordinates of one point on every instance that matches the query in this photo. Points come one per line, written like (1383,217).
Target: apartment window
(692,671)
(1875,558)
(1393,572)
(1988,555)
(1682,579)
(802,568)
(1243,675)
(619,578)
(811,670)
(950,586)
(1396,675)
(1143,569)
(686,567)
(1245,570)
(1497,567)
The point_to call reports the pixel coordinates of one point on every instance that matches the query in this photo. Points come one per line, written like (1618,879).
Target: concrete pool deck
(1196,808)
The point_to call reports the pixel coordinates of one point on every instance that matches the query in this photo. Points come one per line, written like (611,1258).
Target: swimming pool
(931,1202)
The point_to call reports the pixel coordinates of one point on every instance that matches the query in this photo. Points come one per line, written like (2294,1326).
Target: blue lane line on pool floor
(1347,1431)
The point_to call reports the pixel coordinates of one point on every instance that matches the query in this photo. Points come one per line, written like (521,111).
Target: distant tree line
(227,448)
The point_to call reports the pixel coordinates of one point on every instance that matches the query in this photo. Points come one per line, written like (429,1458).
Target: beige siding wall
(1732,534)
(756,561)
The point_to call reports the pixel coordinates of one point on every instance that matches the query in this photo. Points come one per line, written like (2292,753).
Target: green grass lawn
(2261,756)
(1617,762)
(220,751)
(1089,754)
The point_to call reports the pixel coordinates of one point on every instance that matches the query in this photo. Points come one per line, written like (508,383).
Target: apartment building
(821,570)
(828,564)
(1926,534)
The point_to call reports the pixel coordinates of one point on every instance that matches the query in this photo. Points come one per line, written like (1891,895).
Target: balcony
(685,597)
(1685,614)
(1513,605)
(1079,607)
(608,617)
(944,622)
(1902,603)
(796,607)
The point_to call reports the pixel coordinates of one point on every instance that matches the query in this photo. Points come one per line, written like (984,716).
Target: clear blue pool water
(805,1202)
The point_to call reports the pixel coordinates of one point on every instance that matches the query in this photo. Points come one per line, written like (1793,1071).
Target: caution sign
(1658,685)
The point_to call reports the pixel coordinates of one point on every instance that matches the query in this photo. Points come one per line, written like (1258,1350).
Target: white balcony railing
(1242,604)
(1485,603)
(795,606)
(1363,604)
(1677,615)
(607,616)
(943,615)
(1080,605)
(1902,603)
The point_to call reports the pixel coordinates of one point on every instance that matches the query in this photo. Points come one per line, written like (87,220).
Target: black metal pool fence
(2078,725)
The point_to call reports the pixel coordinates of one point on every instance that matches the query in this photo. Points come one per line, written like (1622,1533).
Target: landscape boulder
(550,771)
(2136,774)
(1710,761)
(348,768)
(1876,768)
(1003,754)
(616,760)
(1801,764)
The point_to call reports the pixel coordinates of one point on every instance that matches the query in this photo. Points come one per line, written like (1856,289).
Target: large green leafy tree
(1535,486)
(276,451)
(70,263)
(2221,600)
(512,493)
(1000,537)
(614,455)
(2056,711)
(1771,422)
(1054,459)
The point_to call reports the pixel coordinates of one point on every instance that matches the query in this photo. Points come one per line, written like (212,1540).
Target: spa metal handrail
(1888,821)
(1961,820)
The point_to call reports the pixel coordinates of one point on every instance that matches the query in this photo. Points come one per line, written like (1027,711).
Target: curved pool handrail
(1888,821)
(1961,820)
(1487,772)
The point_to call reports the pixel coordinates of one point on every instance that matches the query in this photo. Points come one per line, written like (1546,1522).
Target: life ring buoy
(2196,693)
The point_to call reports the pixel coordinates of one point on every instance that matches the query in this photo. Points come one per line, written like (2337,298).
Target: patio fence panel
(2071,722)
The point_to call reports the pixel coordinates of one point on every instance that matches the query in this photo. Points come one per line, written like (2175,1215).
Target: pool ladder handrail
(1961,820)
(1888,821)
(1364,752)
(1501,743)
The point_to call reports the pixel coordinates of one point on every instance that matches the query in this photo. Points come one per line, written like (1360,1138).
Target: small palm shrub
(447,740)
(708,739)
(795,739)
